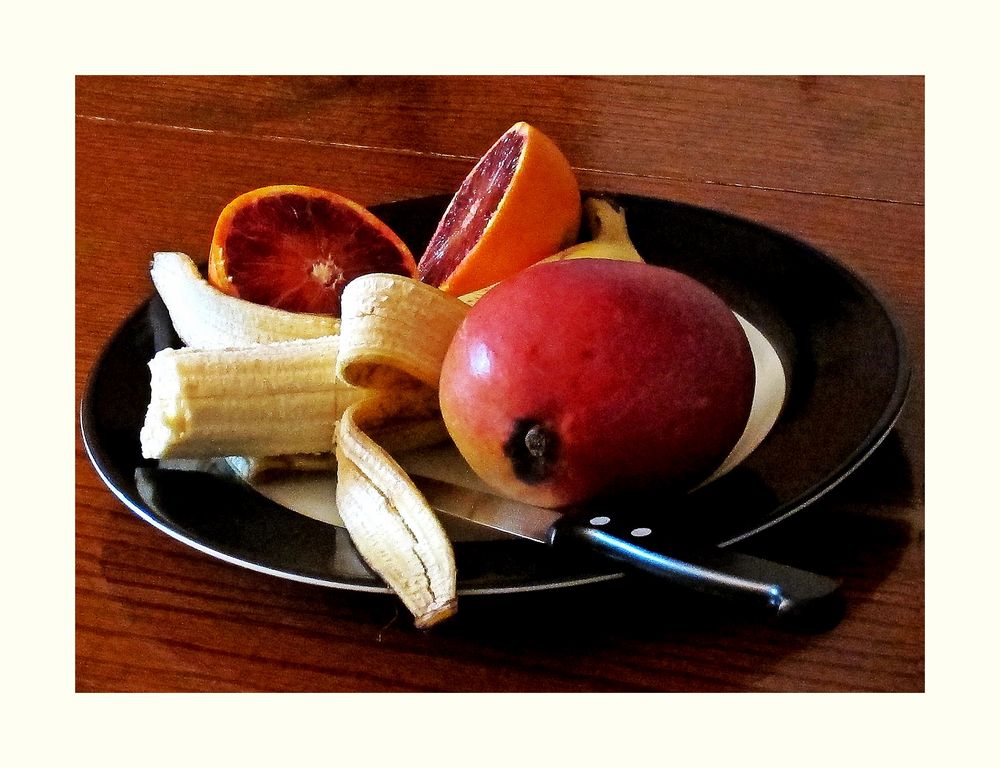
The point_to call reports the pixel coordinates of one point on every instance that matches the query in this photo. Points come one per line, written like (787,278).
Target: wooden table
(838,162)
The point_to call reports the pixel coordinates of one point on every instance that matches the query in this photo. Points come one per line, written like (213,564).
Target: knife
(634,539)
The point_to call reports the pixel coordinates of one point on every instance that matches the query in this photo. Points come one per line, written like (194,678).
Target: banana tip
(436,613)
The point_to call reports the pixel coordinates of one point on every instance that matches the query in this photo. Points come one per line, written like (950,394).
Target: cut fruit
(295,248)
(519,205)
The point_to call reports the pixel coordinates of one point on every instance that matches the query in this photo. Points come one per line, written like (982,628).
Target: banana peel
(206,318)
(390,523)
(395,333)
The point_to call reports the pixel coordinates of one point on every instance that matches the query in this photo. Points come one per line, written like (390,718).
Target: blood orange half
(518,205)
(296,247)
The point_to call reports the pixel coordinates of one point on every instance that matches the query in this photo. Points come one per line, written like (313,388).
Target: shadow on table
(849,534)
(642,630)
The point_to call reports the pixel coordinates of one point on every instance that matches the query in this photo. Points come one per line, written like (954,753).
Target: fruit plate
(843,354)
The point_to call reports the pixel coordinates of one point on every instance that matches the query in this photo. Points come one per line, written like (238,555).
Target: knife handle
(780,590)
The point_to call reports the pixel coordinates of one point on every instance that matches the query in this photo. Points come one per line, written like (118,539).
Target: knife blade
(634,539)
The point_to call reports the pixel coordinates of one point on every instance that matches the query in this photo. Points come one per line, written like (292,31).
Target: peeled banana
(294,390)
(260,400)
(287,404)
(207,318)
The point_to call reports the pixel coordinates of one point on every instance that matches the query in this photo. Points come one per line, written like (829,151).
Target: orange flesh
(296,251)
(472,209)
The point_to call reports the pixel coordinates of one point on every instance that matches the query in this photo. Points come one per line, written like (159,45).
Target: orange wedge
(518,205)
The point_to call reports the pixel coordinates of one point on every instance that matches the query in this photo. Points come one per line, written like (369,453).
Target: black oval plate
(843,353)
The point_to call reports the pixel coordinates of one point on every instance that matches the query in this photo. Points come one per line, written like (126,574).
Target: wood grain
(857,137)
(837,162)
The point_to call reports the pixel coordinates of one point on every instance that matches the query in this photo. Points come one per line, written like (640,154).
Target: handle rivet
(641,531)
(602,520)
